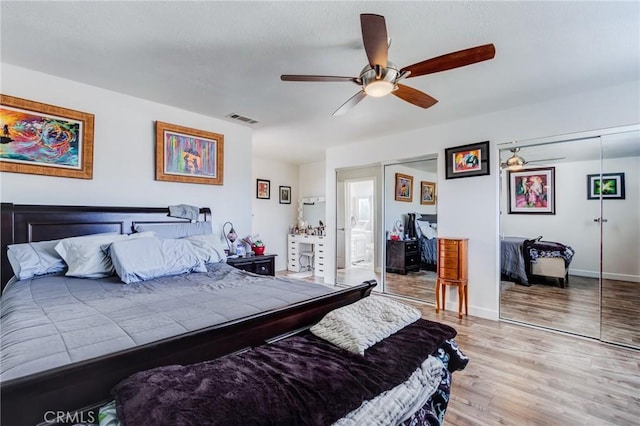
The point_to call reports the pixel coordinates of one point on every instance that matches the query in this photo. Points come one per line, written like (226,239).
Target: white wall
(270,218)
(468,207)
(124,153)
(573,222)
(312,179)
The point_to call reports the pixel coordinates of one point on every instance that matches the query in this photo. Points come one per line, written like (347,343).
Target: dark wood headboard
(23,223)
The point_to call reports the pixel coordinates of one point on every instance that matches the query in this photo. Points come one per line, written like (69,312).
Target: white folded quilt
(364,323)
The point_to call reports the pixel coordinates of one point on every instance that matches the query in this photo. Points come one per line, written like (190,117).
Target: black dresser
(402,256)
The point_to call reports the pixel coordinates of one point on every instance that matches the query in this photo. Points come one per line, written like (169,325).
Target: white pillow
(34,259)
(364,323)
(427,230)
(142,259)
(208,247)
(85,257)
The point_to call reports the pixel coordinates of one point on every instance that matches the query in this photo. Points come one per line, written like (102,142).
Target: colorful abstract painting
(608,186)
(467,160)
(404,187)
(33,138)
(532,191)
(188,155)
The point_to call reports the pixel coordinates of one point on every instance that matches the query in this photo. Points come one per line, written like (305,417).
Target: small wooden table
(452,270)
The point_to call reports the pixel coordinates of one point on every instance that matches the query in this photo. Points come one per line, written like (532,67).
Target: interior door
(618,194)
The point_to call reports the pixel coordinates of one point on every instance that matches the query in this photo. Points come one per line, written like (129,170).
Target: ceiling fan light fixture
(379,88)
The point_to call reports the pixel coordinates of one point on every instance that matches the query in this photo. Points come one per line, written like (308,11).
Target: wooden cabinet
(260,264)
(452,269)
(402,256)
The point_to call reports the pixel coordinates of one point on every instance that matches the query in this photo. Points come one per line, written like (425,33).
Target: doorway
(357,213)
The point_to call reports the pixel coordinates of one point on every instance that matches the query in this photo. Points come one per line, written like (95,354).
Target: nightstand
(263,264)
(402,256)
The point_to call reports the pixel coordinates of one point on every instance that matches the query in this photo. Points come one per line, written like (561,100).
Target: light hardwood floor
(526,376)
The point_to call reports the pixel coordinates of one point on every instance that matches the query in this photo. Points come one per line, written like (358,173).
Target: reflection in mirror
(358,233)
(313,212)
(411,229)
(565,268)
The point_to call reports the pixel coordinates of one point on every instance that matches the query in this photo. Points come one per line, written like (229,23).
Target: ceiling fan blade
(374,37)
(545,160)
(353,101)
(452,60)
(414,96)
(288,77)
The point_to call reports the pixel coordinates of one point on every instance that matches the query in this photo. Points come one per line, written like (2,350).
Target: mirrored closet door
(410,223)
(569,235)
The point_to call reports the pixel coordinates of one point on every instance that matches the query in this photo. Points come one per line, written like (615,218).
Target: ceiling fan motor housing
(382,85)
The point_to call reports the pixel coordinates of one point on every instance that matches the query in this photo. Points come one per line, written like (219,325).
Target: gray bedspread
(512,260)
(51,321)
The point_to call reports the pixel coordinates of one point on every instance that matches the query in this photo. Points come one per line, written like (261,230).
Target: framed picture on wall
(467,160)
(44,139)
(404,187)
(263,189)
(609,186)
(285,195)
(188,155)
(427,193)
(532,191)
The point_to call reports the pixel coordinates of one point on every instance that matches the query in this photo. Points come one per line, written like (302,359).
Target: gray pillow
(146,258)
(30,260)
(175,230)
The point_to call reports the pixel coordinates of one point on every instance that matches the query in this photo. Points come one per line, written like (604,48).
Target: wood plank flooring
(527,376)
(577,308)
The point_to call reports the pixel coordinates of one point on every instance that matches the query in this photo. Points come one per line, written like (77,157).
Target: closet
(587,207)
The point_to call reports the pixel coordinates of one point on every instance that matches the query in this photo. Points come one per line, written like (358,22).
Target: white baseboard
(605,275)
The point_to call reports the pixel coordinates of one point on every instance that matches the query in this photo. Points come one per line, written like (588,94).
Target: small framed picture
(263,189)
(467,160)
(609,186)
(404,187)
(285,195)
(427,193)
(532,191)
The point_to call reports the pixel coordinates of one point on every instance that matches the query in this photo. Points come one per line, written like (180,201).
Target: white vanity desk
(298,244)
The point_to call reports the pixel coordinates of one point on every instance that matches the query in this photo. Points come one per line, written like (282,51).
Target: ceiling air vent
(235,116)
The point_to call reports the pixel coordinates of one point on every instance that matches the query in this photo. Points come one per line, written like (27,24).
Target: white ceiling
(216,58)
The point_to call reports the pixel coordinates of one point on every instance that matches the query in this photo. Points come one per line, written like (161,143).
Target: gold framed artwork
(189,155)
(45,139)
(404,187)
(427,193)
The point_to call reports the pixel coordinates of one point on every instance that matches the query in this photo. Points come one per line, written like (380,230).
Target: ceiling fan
(381,77)
(516,161)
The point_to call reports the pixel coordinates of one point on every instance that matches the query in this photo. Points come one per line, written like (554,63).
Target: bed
(318,377)
(426,232)
(522,260)
(83,382)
